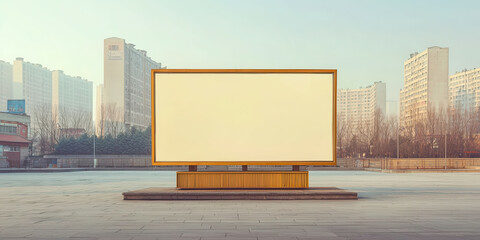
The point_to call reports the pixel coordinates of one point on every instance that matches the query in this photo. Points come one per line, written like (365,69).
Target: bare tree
(45,130)
(342,133)
(114,123)
(100,119)
(74,122)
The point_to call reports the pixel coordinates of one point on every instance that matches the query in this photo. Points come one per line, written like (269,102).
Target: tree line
(437,133)
(57,130)
(49,126)
(131,142)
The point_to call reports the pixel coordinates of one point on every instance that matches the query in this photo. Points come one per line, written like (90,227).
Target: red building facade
(14,143)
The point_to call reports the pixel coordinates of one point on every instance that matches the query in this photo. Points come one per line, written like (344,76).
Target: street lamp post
(446,147)
(94,136)
(398,142)
(398,131)
(446,132)
(398,145)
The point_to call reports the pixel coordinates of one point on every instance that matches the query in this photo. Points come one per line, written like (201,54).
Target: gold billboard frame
(306,71)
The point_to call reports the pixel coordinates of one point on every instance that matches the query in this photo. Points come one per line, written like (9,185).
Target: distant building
(14,143)
(127,82)
(357,107)
(99,114)
(50,94)
(71,95)
(425,85)
(32,82)
(391,108)
(464,89)
(6,82)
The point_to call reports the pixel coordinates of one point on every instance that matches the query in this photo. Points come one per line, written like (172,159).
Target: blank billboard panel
(243,117)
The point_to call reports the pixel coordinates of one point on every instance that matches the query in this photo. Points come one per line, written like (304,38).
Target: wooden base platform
(241,180)
(326,193)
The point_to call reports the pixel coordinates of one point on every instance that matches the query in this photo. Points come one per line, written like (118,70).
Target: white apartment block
(71,94)
(32,82)
(6,82)
(127,82)
(464,89)
(425,85)
(356,107)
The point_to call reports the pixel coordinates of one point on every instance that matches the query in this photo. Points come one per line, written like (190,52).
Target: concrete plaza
(89,205)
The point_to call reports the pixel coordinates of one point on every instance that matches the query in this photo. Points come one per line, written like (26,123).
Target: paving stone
(391,206)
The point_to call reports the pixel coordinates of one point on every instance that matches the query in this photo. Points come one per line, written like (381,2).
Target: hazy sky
(366,41)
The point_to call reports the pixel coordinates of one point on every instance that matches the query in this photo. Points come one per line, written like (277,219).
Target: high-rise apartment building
(127,82)
(464,89)
(357,107)
(425,85)
(46,92)
(32,82)
(6,81)
(71,95)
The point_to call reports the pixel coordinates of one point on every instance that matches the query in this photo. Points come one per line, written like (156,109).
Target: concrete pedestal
(325,193)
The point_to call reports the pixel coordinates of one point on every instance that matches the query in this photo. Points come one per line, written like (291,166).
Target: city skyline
(344,35)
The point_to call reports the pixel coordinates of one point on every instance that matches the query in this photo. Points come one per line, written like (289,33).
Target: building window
(11,149)
(113,47)
(11,130)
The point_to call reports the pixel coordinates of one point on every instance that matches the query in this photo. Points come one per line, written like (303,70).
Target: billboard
(243,117)
(16,106)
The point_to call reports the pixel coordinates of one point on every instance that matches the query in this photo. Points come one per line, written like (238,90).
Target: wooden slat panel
(216,180)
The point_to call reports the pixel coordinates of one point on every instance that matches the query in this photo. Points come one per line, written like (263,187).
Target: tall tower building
(32,82)
(425,85)
(464,89)
(6,80)
(127,82)
(357,107)
(71,95)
